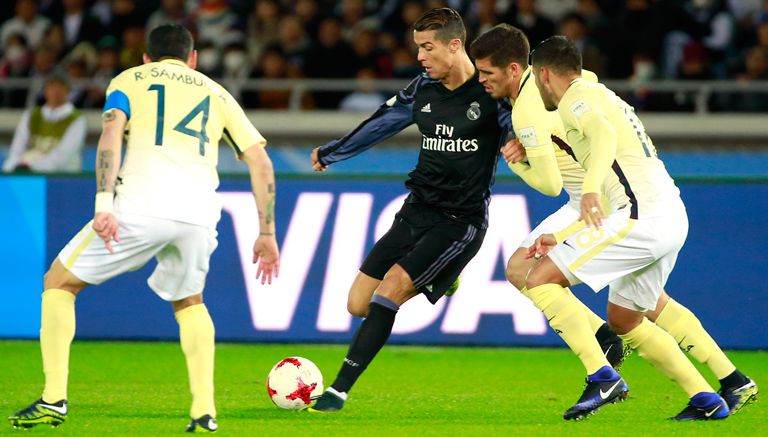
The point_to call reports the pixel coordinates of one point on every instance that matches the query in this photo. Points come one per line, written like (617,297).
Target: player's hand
(106,226)
(592,210)
(316,165)
(265,253)
(541,246)
(513,151)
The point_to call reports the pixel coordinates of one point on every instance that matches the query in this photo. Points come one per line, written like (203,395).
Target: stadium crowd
(90,41)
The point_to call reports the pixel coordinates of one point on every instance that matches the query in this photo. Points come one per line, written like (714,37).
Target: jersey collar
(524,79)
(172,61)
(526,76)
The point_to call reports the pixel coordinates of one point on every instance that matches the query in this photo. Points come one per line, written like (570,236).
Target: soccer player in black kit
(443,220)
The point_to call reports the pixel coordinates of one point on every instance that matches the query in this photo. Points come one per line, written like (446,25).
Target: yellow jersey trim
(79,249)
(591,253)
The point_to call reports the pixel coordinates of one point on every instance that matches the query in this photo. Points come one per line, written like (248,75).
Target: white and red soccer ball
(294,383)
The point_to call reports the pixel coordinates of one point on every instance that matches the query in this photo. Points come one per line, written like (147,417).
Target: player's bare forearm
(109,149)
(265,251)
(263,186)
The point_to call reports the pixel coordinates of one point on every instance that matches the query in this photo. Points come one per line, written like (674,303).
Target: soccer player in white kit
(162,203)
(634,249)
(501,56)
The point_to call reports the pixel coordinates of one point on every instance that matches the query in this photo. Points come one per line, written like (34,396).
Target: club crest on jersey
(473,113)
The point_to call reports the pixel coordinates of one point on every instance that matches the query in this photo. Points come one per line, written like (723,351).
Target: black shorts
(428,244)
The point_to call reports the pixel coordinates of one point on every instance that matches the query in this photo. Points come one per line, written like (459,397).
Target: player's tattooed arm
(103,164)
(270,203)
(108,116)
(268,216)
(109,150)
(263,186)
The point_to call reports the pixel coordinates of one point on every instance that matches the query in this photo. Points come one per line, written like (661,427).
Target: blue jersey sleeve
(392,117)
(118,100)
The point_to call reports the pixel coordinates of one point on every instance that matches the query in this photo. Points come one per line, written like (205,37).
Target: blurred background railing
(676,113)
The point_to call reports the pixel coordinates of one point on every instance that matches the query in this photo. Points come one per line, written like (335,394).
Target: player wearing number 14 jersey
(162,203)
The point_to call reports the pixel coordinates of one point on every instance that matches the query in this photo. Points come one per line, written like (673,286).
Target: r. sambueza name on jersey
(447,144)
(173,75)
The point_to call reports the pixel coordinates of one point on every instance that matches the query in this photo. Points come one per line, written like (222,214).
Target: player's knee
(622,320)
(515,274)
(60,279)
(195,299)
(357,307)
(535,278)
(397,285)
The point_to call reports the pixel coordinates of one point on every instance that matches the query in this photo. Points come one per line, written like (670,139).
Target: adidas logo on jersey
(426,108)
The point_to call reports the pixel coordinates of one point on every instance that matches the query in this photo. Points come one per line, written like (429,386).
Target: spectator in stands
(134,47)
(78,73)
(761,32)
(272,65)
(107,67)
(719,25)
(755,68)
(54,40)
(44,62)
(755,65)
(235,63)
(536,26)
(365,98)
(17,58)
(369,55)
(208,59)
(574,26)
(216,23)
(124,14)
(696,63)
(15,63)
(170,11)
(26,22)
(330,58)
(294,42)
(77,24)
(263,26)
(307,12)
(352,16)
(49,138)
(404,65)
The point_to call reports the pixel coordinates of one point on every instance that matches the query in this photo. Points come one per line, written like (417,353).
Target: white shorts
(182,251)
(557,221)
(633,257)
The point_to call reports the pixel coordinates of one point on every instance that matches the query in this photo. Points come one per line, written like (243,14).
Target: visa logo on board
(273,307)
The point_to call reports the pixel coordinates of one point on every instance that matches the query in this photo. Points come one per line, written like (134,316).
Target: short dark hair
(559,54)
(504,44)
(446,23)
(169,41)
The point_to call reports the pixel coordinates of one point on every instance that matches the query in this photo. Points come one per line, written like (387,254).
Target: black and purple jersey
(462,131)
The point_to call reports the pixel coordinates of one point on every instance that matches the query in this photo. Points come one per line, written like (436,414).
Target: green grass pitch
(140,389)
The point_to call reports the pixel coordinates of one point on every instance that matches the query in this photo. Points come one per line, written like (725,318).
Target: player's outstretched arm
(392,117)
(107,166)
(265,251)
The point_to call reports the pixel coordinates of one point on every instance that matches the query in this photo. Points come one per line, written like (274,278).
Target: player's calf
(613,347)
